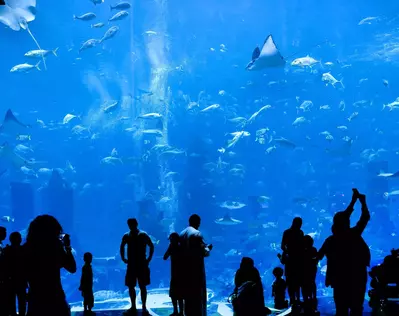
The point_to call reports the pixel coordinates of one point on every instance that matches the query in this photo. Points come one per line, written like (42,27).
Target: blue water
(197,52)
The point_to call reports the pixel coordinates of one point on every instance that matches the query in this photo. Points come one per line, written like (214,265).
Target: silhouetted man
(292,246)
(3,289)
(138,269)
(347,259)
(194,250)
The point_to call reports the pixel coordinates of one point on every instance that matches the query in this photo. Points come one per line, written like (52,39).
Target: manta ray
(227,220)
(16,14)
(10,122)
(268,57)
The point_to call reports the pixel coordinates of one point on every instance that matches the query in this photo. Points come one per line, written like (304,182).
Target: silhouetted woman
(249,284)
(47,251)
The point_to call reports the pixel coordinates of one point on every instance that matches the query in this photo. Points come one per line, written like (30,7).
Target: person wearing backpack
(248,298)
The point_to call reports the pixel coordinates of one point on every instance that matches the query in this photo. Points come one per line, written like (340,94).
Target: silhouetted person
(86,284)
(2,2)
(310,260)
(176,266)
(292,246)
(253,303)
(3,285)
(347,259)
(47,251)
(16,276)
(278,289)
(194,251)
(138,269)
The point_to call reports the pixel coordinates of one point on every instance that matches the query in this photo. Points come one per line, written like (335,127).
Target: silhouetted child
(16,278)
(175,290)
(86,283)
(309,272)
(278,289)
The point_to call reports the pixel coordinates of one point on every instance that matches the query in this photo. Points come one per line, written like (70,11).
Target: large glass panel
(248,113)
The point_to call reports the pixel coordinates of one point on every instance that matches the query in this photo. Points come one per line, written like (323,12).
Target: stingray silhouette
(270,57)
(267,57)
(10,123)
(16,14)
(8,154)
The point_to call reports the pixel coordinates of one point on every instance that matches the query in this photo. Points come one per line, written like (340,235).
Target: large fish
(8,154)
(16,14)
(268,57)
(227,220)
(11,123)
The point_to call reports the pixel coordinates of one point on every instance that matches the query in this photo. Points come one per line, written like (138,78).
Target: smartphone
(62,237)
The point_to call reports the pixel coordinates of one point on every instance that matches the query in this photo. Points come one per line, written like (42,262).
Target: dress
(194,284)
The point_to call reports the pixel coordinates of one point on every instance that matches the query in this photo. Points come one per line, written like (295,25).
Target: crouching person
(247,298)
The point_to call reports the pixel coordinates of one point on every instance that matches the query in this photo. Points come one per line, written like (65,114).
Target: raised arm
(68,262)
(122,248)
(167,254)
(364,217)
(150,244)
(349,210)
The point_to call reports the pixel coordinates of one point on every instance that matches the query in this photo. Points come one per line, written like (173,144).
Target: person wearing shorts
(138,269)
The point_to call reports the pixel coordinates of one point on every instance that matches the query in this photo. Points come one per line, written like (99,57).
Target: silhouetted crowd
(30,273)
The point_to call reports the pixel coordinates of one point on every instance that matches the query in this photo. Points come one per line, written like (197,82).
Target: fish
(253,116)
(231,205)
(150,116)
(388,175)
(227,220)
(40,53)
(110,33)
(119,16)
(97,25)
(7,219)
(368,20)
(267,57)
(237,137)
(392,106)
(306,61)
(120,6)
(25,67)
(110,160)
(285,142)
(10,122)
(95,2)
(68,118)
(328,78)
(109,107)
(89,44)
(211,107)
(155,132)
(298,121)
(385,82)
(85,17)
(387,195)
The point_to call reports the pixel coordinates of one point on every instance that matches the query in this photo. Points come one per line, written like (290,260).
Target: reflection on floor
(160,306)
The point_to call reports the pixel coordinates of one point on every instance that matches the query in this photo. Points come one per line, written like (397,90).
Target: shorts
(137,273)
